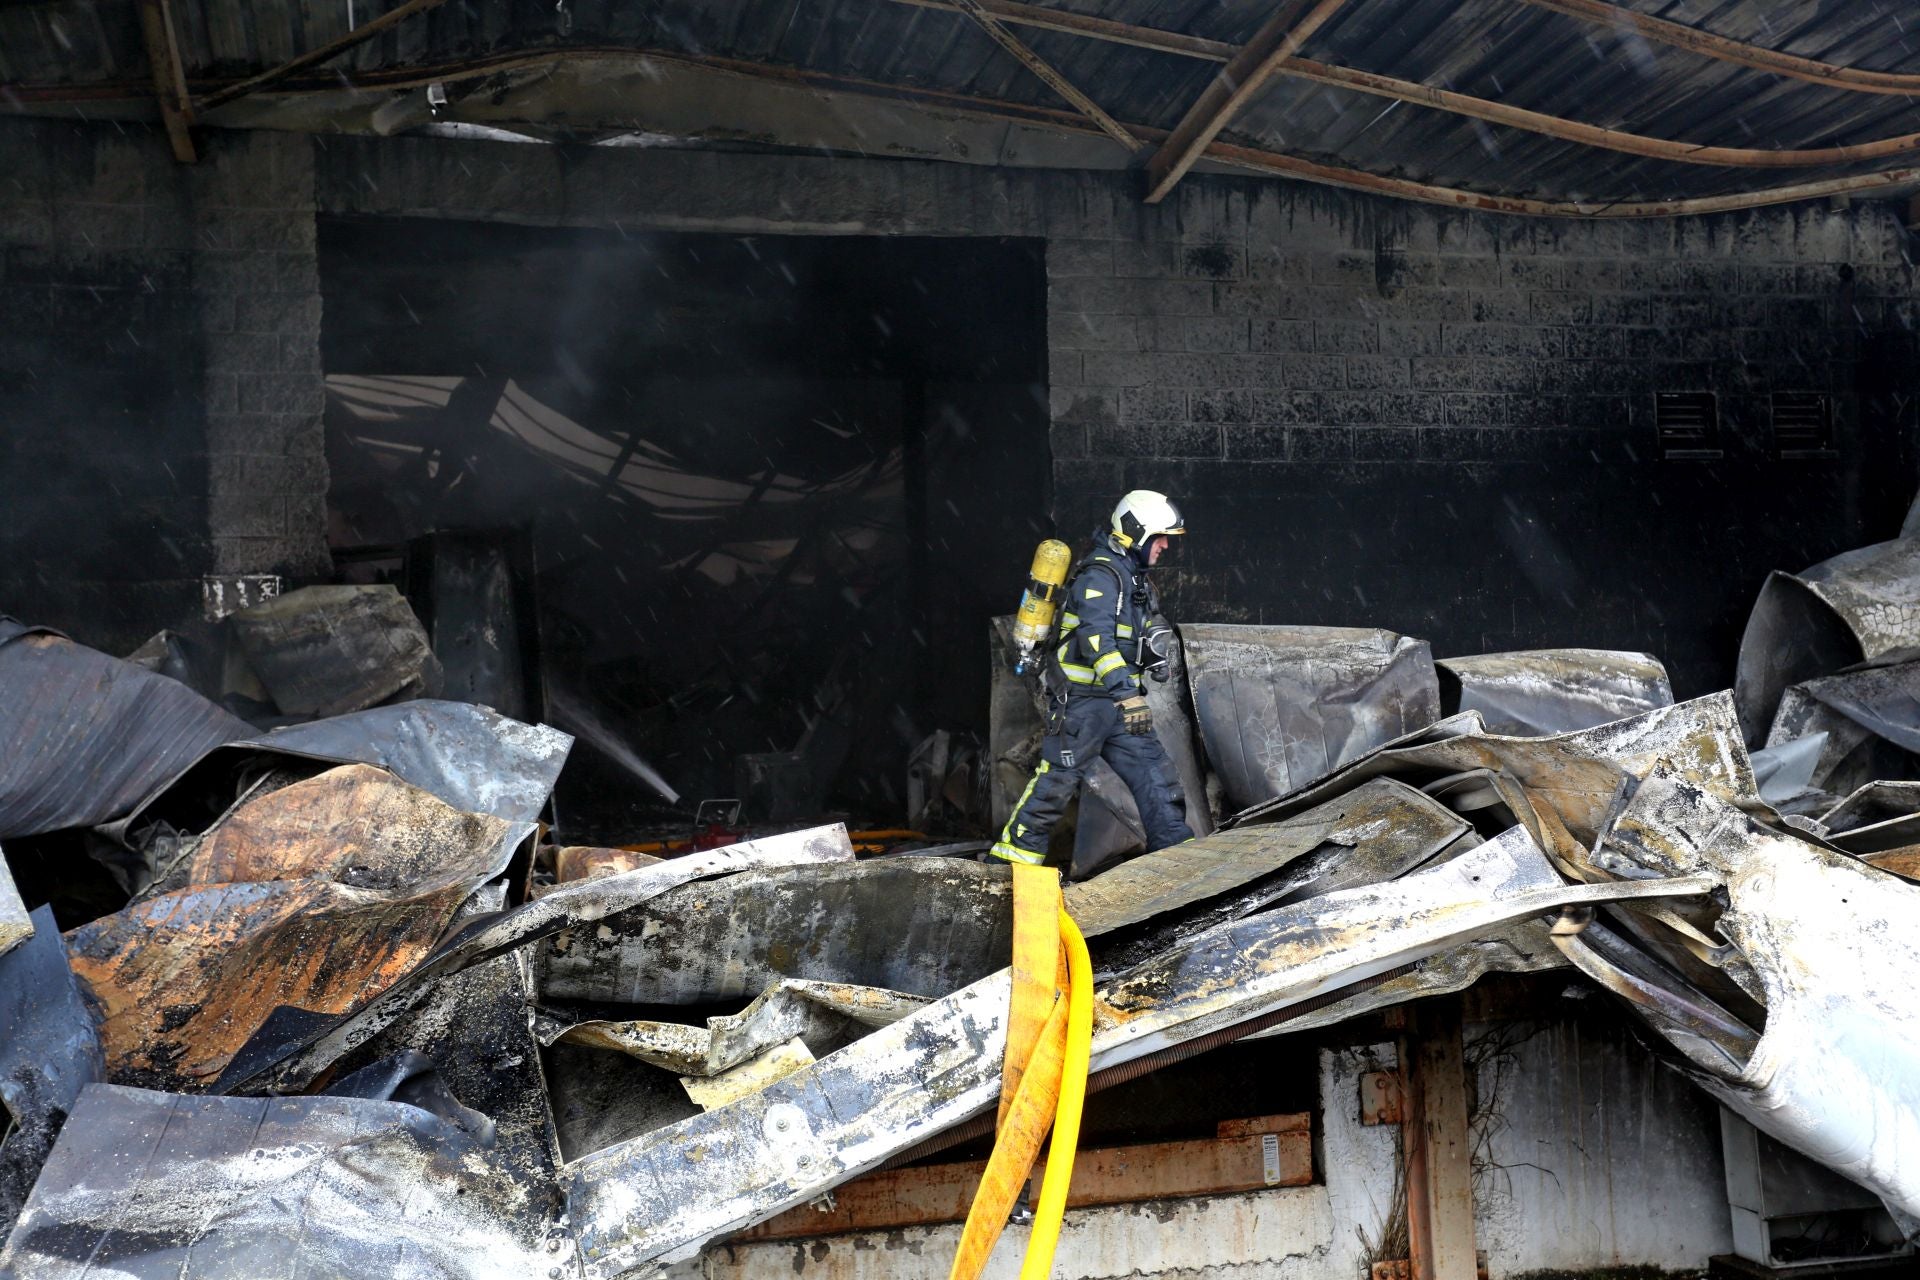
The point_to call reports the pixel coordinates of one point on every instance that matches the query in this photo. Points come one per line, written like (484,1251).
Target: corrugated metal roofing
(1508,51)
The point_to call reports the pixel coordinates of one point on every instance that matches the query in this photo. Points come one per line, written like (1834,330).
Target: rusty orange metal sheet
(182,980)
(356,825)
(585,862)
(318,895)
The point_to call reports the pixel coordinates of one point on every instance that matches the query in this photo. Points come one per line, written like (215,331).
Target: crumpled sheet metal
(1202,869)
(815,1012)
(1871,719)
(1525,947)
(1577,775)
(89,736)
(49,1051)
(155,1186)
(184,979)
(328,650)
(1378,831)
(924,926)
(1836,1072)
(1537,692)
(1860,606)
(15,925)
(1279,707)
(320,894)
(470,756)
(296,1043)
(1265,962)
(587,862)
(644,1201)
(360,826)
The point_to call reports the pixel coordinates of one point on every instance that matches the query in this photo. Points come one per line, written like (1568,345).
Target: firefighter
(1111,633)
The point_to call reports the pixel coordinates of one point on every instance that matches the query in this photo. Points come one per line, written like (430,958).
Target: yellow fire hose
(1044,1077)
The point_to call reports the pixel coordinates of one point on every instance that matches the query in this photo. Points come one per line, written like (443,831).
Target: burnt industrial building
(513,520)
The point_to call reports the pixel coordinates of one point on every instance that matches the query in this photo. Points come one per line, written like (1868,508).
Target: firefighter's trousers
(1080,731)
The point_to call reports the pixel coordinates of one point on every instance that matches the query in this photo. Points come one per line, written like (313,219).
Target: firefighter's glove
(1135,714)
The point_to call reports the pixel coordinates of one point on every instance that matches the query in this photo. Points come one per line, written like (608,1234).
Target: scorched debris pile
(341,1026)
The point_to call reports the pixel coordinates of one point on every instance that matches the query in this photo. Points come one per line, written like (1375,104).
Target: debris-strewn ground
(358,1017)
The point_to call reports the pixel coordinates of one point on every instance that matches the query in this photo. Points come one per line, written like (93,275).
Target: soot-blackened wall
(1443,424)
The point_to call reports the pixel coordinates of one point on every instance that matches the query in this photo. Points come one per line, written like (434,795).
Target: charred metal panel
(49,1051)
(328,650)
(1279,707)
(923,926)
(1860,606)
(1576,775)
(471,757)
(1524,947)
(1265,962)
(1545,691)
(320,894)
(819,1013)
(154,1186)
(296,1043)
(1835,1074)
(88,736)
(183,980)
(360,826)
(1376,832)
(1870,718)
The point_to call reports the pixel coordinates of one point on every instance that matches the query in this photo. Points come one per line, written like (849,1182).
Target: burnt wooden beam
(1235,86)
(1049,74)
(169,77)
(323,53)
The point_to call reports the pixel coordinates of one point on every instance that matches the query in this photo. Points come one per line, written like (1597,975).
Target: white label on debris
(1270,1158)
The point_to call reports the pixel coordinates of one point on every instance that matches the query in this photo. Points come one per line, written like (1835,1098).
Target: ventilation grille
(1688,423)
(1802,424)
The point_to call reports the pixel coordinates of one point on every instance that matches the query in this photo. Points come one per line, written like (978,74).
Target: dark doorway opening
(772,486)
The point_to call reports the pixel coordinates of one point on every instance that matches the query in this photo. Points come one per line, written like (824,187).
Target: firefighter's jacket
(1108,607)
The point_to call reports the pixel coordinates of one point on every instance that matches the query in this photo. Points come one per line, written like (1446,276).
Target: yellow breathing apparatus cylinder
(1041,602)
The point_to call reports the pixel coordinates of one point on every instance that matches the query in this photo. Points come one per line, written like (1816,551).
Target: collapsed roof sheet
(643,1200)
(320,894)
(1835,1073)
(49,1051)
(1860,606)
(155,1186)
(297,1042)
(923,926)
(88,736)
(1281,706)
(1545,691)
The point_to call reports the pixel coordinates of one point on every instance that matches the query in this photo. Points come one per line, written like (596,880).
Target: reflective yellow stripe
(1095,642)
(1006,848)
(1078,674)
(1069,619)
(1014,854)
(1108,662)
(1123,630)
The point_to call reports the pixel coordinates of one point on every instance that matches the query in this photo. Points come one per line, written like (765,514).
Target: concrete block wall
(1442,423)
(1379,413)
(159,373)
(256,289)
